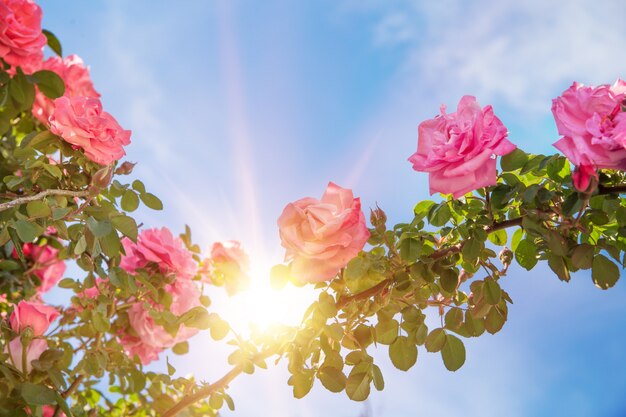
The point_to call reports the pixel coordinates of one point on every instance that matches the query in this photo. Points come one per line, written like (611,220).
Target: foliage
(446,262)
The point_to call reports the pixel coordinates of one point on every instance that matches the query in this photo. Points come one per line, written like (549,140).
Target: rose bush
(139,293)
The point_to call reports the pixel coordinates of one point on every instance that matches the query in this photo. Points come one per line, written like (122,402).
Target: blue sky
(238,107)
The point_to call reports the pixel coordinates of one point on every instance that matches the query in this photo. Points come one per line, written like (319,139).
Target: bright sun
(263,306)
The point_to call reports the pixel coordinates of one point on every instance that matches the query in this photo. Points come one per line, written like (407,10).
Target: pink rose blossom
(321,236)
(82,122)
(77,84)
(134,346)
(591,124)
(457,149)
(161,248)
(48,411)
(33,352)
(21,38)
(230,262)
(152,338)
(48,267)
(37,316)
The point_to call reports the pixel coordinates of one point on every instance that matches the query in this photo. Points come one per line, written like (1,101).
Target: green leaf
(559,267)
(358,386)
(125,225)
(403,353)
(439,214)
(302,383)
(517,238)
(448,280)
(410,249)
(63,405)
(38,209)
(170,369)
(151,201)
(27,231)
(422,208)
(454,318)
(219,328)
(49,83)
(492,291)
(53,42)
(100,323)
(40,141)
(387,331)
(332,379)
(471,249)
(181,348)
(526,254)
(139,187)
(35,394)
(604,272)
(453,353)
(435,340)
(513,160)
(498,237)
(582,256)
(377,376)
(494,321)
(130,201)
(99,228)
(53,170)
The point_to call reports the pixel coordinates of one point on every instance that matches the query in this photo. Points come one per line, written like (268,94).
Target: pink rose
(321,236)
(185,296)
(33,352)
(48,411)
(37,316)
(134,346)
(21,39)
(588,118)
(82,122)
(161,248)
(457,149)
(48,267)
(151,338)
(231,264)
(77,84)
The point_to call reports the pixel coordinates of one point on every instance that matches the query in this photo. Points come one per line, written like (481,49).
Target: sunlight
(262,306)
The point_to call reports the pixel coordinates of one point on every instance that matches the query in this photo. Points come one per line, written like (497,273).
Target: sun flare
(262,306)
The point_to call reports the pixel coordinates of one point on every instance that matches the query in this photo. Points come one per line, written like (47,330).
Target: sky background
(238,107)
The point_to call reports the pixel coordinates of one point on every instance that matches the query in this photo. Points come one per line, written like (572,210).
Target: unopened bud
(125,169)
(378,218)
(506,256)
(102,177)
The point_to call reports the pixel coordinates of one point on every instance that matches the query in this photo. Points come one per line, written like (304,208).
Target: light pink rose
(21,39)
(457,149)
(185,296)
(161,248)
(230,262)
(322,236)
(33,352)
(588,119)
(151,338)
(37,316)
(77,81)
(82,122)
(48,267)
(134,346)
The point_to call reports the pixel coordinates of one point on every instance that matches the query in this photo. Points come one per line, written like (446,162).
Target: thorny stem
(210,389)
(19,201)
